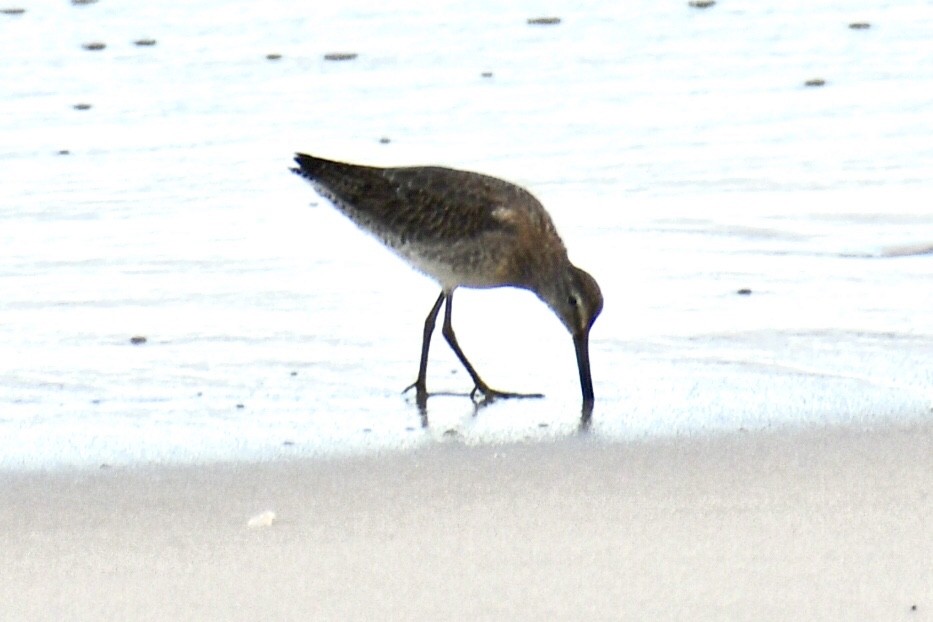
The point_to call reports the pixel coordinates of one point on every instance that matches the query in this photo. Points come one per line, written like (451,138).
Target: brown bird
(464,229)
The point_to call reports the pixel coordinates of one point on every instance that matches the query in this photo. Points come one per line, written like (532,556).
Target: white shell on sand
(264,519)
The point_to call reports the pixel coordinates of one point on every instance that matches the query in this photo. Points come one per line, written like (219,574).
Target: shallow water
(678,150)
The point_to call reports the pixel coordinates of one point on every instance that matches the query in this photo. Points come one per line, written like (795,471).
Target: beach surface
(817,524)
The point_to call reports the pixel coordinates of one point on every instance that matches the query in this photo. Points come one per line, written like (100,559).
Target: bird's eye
(573,301)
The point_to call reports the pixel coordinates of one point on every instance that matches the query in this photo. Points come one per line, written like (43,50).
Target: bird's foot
(421,399)
(421,391)
(419,385)
(481,394)
(490,395)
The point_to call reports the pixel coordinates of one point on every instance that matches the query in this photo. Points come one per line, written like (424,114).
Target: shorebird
(464,229)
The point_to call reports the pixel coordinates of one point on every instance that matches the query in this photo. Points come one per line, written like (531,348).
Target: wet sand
(813,524)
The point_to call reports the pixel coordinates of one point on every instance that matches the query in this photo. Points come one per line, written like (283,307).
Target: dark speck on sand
(543,21)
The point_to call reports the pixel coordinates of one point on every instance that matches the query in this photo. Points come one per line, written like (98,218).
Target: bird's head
(575,297)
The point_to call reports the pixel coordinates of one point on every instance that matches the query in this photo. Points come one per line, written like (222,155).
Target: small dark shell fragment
(543,21)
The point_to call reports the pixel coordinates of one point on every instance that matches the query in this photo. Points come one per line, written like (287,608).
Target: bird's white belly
(450,266)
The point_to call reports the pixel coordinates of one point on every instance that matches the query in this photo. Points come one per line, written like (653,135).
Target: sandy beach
(829,524)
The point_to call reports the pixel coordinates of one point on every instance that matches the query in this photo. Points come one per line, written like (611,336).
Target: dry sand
(807,524)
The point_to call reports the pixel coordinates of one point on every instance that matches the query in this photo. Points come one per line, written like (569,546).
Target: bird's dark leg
(420,385)
(448,331)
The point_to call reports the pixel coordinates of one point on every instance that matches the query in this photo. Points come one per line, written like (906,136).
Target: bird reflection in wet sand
(465,229)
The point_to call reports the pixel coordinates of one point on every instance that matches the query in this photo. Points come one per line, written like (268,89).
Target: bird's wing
(416,203)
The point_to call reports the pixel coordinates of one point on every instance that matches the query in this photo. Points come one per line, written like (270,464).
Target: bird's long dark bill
(582,344)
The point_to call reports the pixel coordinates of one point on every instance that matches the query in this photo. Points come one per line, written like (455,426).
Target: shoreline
(833,523)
